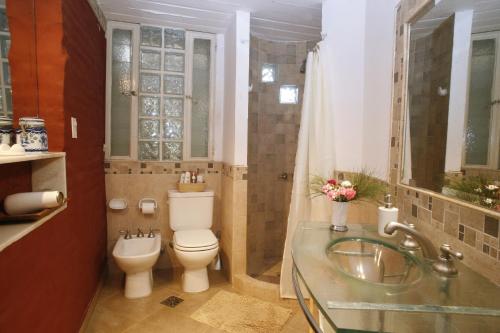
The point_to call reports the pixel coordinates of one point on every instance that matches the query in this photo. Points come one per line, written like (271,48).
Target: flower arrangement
(477,190)
(342,192)
(361,186)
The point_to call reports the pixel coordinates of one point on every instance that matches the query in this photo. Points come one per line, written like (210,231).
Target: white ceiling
(486,16)
(287,20)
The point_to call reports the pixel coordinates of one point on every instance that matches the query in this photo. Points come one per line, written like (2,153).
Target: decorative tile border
(474,230)
(237,172)
(168,168)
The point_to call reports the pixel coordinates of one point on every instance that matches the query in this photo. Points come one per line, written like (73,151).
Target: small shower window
(289,94)
(268,74)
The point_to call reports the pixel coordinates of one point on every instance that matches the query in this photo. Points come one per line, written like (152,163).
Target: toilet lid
(195,238)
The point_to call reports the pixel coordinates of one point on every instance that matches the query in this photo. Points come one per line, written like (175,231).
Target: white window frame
(134,117)
(494,141)
(3,86)
(188,86)
(190,36)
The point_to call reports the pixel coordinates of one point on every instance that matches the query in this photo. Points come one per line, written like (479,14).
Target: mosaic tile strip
(169,168)
(237,172)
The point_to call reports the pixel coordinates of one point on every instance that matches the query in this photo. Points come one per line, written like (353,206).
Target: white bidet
(136,257)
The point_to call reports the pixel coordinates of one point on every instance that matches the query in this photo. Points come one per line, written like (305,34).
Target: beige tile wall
(234,220)
(470,229)
(272,144)
(136,180)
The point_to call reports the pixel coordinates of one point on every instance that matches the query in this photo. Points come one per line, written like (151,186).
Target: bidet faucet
(428,249)
(139,233)
(126,234)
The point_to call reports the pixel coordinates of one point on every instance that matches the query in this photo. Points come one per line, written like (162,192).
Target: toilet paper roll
(148,207)
(30,202)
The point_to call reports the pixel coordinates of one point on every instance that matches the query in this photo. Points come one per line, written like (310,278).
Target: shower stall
(275,100)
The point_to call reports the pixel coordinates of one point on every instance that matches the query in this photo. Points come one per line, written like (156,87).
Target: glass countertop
(426,303)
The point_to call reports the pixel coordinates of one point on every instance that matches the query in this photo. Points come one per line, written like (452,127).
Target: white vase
(339,216)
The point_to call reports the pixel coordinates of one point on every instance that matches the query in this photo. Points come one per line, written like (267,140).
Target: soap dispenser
(386,214)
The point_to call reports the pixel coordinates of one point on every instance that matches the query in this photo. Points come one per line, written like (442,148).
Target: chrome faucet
(139,233)
(444,265)
(126,234)
(428,249)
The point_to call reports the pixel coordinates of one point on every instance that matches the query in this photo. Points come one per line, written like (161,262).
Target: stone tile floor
(114,313)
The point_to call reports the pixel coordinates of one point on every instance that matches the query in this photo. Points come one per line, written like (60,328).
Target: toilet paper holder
(148,200)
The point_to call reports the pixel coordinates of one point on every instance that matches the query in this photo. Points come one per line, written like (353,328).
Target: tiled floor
(114,313)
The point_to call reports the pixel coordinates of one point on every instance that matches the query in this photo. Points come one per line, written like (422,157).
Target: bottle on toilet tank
(386,213)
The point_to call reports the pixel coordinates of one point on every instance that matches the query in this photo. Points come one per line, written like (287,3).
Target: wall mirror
(452,119)
(18,70)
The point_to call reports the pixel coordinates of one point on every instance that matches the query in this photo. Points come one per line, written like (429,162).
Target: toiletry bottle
(188,177)
(183,179)
(199,178)
(386,214)
(193,177)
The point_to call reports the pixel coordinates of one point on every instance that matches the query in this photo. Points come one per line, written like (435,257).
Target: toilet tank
(190,210)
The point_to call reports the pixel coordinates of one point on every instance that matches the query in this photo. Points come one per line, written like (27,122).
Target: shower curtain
(315,156)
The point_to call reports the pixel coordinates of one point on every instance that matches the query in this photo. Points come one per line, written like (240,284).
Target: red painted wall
(48,278)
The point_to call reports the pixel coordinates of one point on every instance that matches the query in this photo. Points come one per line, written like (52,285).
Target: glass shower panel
(200,109)
(121,80)
(477,132)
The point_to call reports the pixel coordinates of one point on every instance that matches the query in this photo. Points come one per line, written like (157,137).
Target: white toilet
(194,243)
(136,257)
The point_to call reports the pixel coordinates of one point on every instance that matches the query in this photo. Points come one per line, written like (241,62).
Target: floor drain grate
(172,301)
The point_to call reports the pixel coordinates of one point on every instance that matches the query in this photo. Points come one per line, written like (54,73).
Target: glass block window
(5,83)
(174,39)
(161,94)
(289,94)
(269,72)
(150,60)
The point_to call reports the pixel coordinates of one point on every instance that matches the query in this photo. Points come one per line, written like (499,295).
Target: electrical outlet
(74,129)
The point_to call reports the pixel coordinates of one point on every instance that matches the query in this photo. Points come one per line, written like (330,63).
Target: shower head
(303,66)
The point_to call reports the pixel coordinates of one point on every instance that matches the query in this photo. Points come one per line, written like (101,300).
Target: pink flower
(350,193)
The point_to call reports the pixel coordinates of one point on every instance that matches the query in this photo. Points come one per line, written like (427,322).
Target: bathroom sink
(375,262)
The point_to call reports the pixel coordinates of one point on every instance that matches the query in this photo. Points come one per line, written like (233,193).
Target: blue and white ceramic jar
(33,134)
(6,130)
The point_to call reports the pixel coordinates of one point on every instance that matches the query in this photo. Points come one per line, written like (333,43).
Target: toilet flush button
(74,124)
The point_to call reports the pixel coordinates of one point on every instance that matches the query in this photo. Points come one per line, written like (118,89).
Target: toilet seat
(195,240)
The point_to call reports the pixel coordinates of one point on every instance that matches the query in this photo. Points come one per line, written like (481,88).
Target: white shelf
(48,172)
(4,159)
(9,233)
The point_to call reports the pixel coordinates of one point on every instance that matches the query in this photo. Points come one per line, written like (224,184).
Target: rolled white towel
(30,202)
